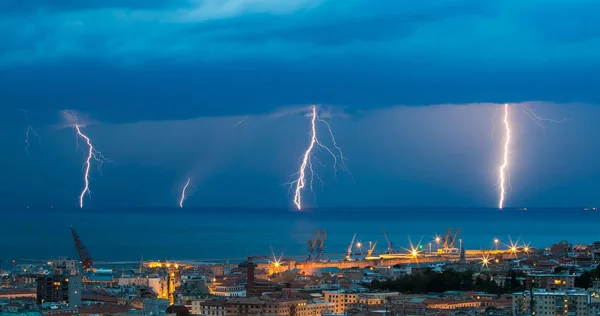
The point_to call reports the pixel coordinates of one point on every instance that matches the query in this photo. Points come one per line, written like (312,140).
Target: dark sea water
(176,234)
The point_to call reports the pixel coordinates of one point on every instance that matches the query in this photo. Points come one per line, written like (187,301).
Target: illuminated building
(551,303)
(228,289)
(342,300)
(254,306)
(551,281)
(59,288)
(153,282)
(253,287)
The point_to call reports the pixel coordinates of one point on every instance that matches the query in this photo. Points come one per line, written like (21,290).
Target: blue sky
(162,68)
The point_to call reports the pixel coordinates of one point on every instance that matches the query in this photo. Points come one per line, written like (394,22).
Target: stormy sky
(413,89)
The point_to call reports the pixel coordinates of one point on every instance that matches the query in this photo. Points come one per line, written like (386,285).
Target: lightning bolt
(238,124)
(301,181)
(503,173)
(538,120)
(92,153)
(494,123)
(30,130)
(184,190)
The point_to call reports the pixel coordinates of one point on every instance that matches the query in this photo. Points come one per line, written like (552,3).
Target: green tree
(430,281)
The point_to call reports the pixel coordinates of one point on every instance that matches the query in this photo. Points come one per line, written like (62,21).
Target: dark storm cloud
(130,61)
(568,21)
(18,6)
(369,21)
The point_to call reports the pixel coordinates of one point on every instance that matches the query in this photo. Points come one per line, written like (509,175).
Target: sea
(216,235)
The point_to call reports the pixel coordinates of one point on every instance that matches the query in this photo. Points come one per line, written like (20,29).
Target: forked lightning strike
(504,166)
(504,174)
(538,120)
(92,153)
(301,181)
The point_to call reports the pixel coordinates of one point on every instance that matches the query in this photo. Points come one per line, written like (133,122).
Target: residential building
(64,266)
(552,281)
(341,299)
(555,303)
(59,288)
(156,306)
(254,306)
(228,290)
(210,308)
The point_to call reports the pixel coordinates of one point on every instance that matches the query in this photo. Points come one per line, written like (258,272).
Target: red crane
(84,255)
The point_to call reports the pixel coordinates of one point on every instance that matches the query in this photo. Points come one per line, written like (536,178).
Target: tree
(559,269)
(179,310)
(491,308)
(448,280)
(584,281)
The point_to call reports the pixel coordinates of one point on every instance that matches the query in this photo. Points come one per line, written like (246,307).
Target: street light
(497,242)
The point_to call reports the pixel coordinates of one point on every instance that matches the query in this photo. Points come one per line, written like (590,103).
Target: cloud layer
(123,61)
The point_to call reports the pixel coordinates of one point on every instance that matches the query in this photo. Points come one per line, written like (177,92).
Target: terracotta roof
(99,298)
(20,291)
(213,303)
(547,264)
(104,310)
(430,301)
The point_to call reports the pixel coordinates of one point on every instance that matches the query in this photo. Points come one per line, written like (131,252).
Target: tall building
(256,288)
(551,303)
(63,284)
(59,288)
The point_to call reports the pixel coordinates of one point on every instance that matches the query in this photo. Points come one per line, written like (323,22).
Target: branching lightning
(188,183)
(337,148)
(504,166)
(29,131)
(302,180)
(538,120)
(238,124)
(504,174)
(92,153)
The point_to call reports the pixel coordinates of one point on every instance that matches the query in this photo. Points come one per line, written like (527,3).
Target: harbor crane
(349,252)
(390,244)
(450,239)
(316,245)
(371,249)
(84,255)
